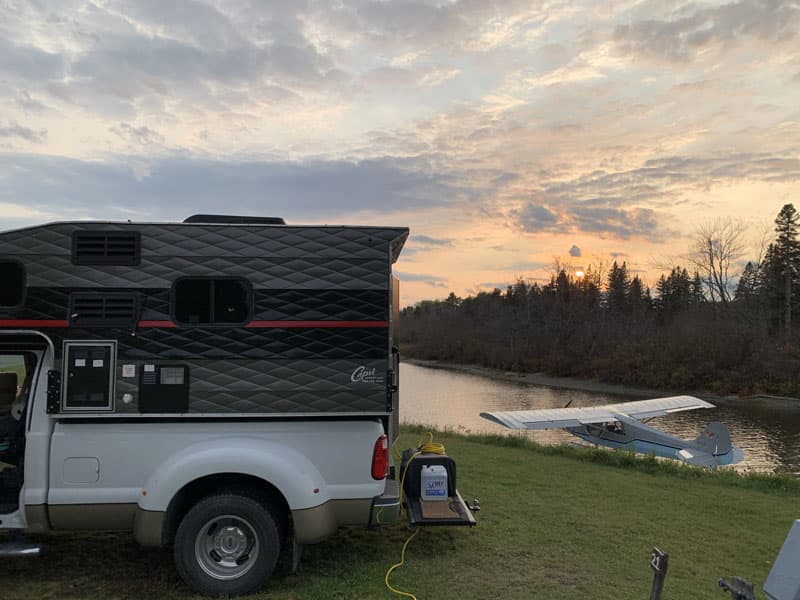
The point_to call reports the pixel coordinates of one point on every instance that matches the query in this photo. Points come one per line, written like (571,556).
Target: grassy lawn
(555,523)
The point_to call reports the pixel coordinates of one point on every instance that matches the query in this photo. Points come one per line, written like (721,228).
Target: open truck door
(21,372)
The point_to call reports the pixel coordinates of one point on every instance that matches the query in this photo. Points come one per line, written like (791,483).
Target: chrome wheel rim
(226,547)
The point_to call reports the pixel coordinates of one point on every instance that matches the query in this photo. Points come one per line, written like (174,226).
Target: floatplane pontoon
(621,426)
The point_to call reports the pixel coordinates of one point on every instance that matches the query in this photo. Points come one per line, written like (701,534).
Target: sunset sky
(504,134)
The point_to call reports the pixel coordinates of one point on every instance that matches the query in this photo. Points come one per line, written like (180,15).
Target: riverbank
(598,387)
(556,523)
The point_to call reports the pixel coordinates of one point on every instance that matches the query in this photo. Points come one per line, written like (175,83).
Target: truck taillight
(380,458)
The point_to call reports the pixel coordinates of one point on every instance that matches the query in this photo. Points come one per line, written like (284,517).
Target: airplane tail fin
(715,439)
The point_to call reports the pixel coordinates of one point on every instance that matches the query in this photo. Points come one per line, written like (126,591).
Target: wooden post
(659,561)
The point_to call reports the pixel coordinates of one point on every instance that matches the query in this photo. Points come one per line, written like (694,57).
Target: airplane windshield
(615,427)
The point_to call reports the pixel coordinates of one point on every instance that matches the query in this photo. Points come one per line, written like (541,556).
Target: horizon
(507,136)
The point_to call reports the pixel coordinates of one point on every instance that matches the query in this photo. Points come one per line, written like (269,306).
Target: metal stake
(659,561)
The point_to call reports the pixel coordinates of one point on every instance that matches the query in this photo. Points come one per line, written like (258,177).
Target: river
(768,432)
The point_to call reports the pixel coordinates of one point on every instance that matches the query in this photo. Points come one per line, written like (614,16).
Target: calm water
(769,434)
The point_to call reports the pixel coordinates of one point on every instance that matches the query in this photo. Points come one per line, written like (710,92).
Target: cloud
(477,25)
(28,103)
(537,217)
(618,222)
(14,129)
(142,135)
(415,75)
(109,57)
(425,240)
(437,75)
(697,27)
(123,64)
(494,285)
(115,58)
(620,204)
(22,62)
(431,280)
(179,186)
(575,252)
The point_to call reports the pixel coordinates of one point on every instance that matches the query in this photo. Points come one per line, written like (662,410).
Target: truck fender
(284,467)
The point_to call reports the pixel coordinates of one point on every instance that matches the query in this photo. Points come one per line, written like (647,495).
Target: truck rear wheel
(227,544)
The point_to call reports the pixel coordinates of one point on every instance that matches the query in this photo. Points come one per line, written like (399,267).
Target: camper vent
(106,248)
(102,310)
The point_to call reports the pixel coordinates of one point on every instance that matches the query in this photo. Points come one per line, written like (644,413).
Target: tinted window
(230,301)
(193,301)
(12,289)
(199,300)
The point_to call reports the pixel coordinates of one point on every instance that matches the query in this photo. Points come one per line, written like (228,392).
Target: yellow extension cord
(430,447)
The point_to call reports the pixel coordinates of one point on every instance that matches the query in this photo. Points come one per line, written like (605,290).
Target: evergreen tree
(787,253)
(637,297)
(747,287)
(696,295)
(675,291)
(619,286)
(589,287)
(563,286)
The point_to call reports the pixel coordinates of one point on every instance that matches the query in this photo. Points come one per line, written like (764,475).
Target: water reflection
(768,433)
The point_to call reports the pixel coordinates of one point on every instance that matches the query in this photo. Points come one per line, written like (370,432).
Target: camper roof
(396,235)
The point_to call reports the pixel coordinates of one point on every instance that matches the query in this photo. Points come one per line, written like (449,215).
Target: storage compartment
(164,389)
(89,382)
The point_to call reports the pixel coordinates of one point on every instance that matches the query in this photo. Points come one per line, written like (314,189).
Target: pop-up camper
(209,317)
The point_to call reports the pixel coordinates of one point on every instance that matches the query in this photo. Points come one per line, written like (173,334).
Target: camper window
(200,300)
(12,292)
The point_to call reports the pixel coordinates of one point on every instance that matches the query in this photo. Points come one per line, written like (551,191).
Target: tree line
(703,326)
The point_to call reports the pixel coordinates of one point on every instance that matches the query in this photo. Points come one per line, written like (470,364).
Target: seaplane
(623,426)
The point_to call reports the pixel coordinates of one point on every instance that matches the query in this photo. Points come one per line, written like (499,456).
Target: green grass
(555,523)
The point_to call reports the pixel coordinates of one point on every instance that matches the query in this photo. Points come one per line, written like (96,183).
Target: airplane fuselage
(635,436)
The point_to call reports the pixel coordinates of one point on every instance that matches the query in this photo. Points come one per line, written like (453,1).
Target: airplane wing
(657,407)
(558,418)
(551,418)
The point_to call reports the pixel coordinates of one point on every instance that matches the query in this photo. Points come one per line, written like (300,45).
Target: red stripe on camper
(164,324)
(172,325)
(279,324)
(33,323)
(329,324)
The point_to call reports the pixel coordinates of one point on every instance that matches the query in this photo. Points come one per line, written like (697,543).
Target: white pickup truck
(229,495)
(227,384)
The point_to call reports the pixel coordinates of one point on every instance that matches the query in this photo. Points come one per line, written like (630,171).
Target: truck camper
(228,385)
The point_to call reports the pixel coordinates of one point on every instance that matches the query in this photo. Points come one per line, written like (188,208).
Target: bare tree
(761,239)
(716,246)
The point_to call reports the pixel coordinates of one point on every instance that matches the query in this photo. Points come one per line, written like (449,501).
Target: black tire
(227,544)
